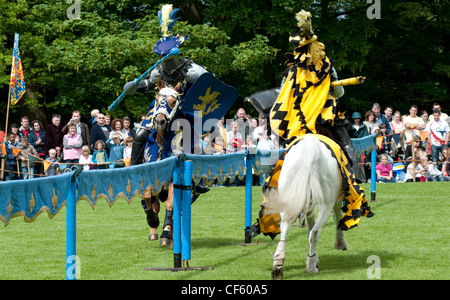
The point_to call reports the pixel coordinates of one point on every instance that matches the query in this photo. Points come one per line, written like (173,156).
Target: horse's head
(166,105)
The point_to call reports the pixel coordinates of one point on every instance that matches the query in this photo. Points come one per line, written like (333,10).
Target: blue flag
(17,83)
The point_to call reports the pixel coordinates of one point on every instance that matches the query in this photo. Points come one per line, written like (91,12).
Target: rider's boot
(137,151)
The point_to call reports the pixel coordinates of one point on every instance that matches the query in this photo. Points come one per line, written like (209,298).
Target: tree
(82,63)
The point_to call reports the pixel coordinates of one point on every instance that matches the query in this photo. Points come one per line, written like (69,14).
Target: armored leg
(342,135)
(137,151)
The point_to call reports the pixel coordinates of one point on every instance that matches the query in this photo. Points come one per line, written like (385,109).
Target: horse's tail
(301,181)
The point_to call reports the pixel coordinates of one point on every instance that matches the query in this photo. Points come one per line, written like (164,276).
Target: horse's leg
(278,258)
(313,261)
(167,235)
(340,243)
(152,214)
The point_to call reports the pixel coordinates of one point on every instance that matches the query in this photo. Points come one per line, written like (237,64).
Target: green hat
(356,115)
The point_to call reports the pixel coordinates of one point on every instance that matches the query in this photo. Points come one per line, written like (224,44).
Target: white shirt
(408,131)
(438,130)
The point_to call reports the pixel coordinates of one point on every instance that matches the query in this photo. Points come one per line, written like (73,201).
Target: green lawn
(409,234)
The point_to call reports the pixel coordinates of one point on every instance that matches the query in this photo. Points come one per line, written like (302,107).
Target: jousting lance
(173,51)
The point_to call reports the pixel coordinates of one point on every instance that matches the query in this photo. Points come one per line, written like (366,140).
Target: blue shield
(208,100)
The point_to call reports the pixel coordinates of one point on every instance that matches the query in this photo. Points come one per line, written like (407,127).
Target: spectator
(108,122)
(53,169)
(242,123)
(445,162)
(72,145)
(36,138)
(127,130)
(413,123)
(384,170)
(99,131)
(24,129)
(86,158)
(127,151)
(234,138)
(26,159)
(219,147)
(266,143)
(444,116)
(11,157)
(388,113)
(359,129)
(13,128)
(223,128)
(115,150)
(82,128)
(386,143)
(424,116)
(370,121)
(254,123)
(93,119)
(396,123)
(438,134)
(379,118)
(54,136)
(416,169)
(116,129)
(100,157)
(416,146)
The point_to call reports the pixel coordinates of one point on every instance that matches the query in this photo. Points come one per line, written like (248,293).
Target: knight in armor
(173,71)
(308,102)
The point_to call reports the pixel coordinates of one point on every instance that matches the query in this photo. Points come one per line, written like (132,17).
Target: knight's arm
(194,71)
(144,86)
(336,91)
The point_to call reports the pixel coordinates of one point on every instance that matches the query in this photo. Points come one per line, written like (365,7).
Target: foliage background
(84,63)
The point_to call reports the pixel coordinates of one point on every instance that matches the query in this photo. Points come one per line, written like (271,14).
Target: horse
(165,109)
(310,165)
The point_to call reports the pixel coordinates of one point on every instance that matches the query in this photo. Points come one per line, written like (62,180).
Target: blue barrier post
(71,231)
(373,175)
(186,212)
(177,216)
(248,197)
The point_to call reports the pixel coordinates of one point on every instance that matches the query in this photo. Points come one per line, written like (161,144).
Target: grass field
(409,234)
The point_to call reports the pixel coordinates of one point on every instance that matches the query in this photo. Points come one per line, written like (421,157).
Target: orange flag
(16,150)
(3,149)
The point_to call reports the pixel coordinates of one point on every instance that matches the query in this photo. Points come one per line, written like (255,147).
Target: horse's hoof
(277,272)
(153,237)
(166,242)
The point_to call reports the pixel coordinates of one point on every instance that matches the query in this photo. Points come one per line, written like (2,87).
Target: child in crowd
(100,157)
(386,142)
(53,169)
(384,170)
(116,151)
(86,158)
(219,147)
(26,160)
(432,173)
(127,151)
(11,155)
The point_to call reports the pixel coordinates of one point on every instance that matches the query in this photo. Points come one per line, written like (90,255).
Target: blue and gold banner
(29,198)
(219,167)
(17,82)
(125,182)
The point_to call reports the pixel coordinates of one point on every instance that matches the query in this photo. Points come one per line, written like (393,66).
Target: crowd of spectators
(105,143)
(32,151)
(399,140)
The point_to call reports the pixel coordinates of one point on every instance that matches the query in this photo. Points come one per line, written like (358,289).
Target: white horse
(309,177)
